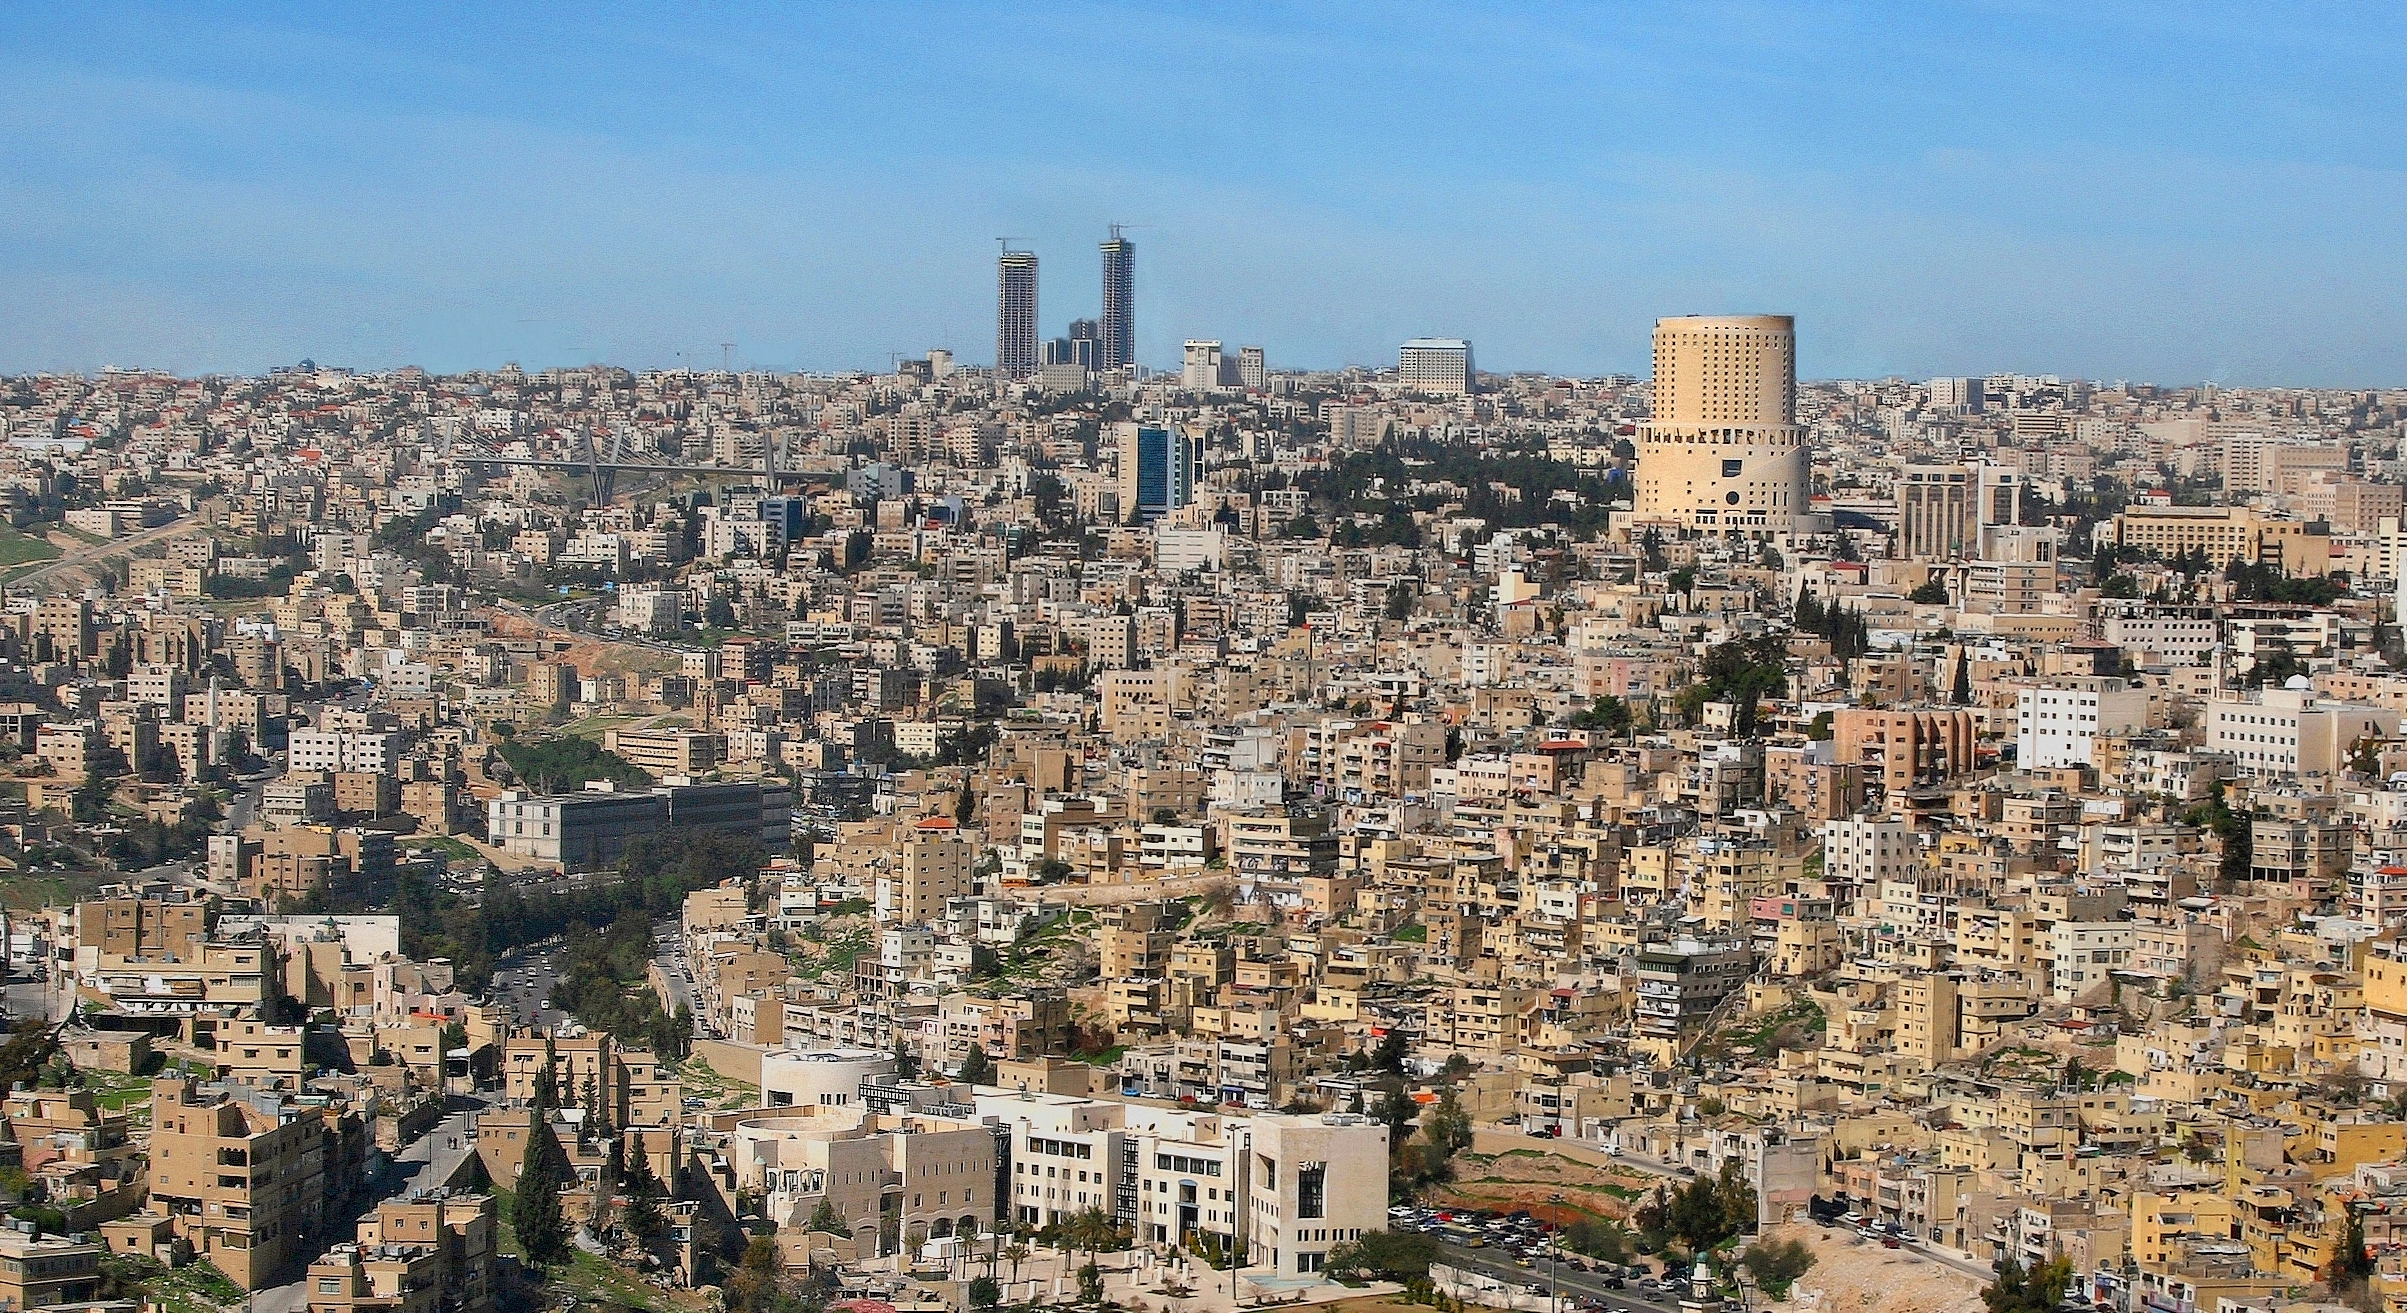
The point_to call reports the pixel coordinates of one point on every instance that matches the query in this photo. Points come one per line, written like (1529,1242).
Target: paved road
(1569,1282)
(434,1156)
(244,805)
(423,1161)
(114,547)
(667,946)
(524,981)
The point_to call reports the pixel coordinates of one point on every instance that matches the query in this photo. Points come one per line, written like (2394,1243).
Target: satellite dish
(2298,683)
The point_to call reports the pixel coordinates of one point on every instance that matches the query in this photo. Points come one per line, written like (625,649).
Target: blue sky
(2166,193)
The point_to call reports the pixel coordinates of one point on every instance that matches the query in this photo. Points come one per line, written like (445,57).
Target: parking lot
(1520,1249)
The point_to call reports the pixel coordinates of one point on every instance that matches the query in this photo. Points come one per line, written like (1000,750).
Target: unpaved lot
(1857,1276)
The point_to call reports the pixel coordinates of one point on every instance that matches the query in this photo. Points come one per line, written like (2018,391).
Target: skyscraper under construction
(1015,315)
(1119,302)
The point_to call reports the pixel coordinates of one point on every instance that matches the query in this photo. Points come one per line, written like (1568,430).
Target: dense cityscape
(1188,839)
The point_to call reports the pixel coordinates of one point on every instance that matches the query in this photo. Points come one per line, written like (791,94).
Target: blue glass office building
(1168,466)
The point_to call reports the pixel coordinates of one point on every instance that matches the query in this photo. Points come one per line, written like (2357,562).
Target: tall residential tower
(1723,451)
(1119,327)
(1015,315)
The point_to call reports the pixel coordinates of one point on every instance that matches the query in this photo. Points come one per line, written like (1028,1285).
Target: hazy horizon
(2104,193)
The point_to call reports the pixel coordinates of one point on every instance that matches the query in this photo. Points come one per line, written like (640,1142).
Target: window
(1311,1190)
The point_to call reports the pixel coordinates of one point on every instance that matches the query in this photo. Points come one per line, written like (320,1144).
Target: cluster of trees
(1609,714)
(141,841)
(1844,626)
(1741,673)
(1510,486)
(2233,828)
(655,875)
(2037,1290)
(1402,1256)
(759,1283)
(602,984)
(1428,1158)
(2267,583)
(535,1208)
(1776,1264)
(1699,1215)
(567,763)
(1599,1238)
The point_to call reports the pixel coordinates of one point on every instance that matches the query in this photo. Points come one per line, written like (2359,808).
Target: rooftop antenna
(726,355)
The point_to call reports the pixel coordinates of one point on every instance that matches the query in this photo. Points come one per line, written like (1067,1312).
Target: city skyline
(2000,196)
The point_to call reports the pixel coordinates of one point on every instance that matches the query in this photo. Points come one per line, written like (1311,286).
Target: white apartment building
(2289,731)
(2083,953)
(2178,635)
(1865,853)
(650,609)
(335,750)
(2057,724)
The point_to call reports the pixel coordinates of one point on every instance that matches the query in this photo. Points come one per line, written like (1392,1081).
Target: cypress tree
(535,1211)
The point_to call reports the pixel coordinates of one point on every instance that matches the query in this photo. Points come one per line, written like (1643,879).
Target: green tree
(1608,714)
(984,1293)
(642,1218)
(535,1209)
(827,1220)
(1930,592)
(1448,1125)
(1776,1264)
(977,1068)
(1384,1256)
(754,1286)
(2037,1291)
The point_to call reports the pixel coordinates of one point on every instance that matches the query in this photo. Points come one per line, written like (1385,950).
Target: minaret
(1700,1296)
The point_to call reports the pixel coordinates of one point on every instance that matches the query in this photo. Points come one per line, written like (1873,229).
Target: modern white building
(2289,731)
(1435,364)
(1200,371)
(1288,1188)
(573,829)
(820,1078)
(2057,724)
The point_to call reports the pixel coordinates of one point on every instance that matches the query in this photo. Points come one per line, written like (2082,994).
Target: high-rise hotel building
(1723,450)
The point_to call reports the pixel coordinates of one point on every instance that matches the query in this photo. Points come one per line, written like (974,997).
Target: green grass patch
(20,548)
(115,1091)
(48,888)
(452,848)
(1416,933)
(196,1287)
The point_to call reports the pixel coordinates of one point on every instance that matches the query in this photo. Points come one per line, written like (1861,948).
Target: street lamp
(1554,1276)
